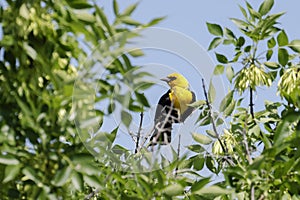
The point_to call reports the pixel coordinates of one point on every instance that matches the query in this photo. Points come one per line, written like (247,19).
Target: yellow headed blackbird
(172,108)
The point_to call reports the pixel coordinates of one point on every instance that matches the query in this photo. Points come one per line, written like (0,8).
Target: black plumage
(166,114)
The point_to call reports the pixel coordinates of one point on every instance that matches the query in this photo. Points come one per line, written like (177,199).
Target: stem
(212,118)
(246,143)
(251,103)
(178,152)
(139,132)
(252,193)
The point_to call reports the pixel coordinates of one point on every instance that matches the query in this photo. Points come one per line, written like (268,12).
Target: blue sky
(189,17)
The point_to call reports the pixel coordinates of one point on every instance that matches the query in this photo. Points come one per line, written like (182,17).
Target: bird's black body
(166,114)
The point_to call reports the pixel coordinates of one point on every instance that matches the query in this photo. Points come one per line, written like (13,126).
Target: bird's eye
(172,78)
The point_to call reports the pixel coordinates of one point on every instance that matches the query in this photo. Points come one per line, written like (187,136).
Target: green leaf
(204,120)
(129,21)
(254,14)
(198,163)
(230,108)
(229,73)
(104,19)
(24,12)
(7,40)
(283,56)
(79,4)
(244,12)
(77,181)
(154,21)
(30,51)
(196,148)
(126,118)
(211,92)
(61,176)
(118,149)
(240,41)
(214,29)
(198,103)
(282,39)
(272,65)
(221,58)
(283,130)
(219,69)
(8,160)
(92,181)
(226,101)
(31,174)
(295,45)
(211,133)
(202,139)
(210,164)
(129,10)
(240,23)
(11,171)
(271,43)
(116,7)
(265,7)
(247,49)
(229,34)
(199,184)
(84,16)
(214,43)
(136,53)
(269,54)
(216,190)
(173,189)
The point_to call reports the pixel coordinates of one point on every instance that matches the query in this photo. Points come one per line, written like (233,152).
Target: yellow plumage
(181,97)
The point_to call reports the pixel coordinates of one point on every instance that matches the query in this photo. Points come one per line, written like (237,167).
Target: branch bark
(139,132)
(251,104)
(212,118)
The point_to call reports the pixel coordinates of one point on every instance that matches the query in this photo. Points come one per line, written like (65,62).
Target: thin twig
(252,193)
(178,153)
(248,155)
(145,138)
(251,103)
(161,129)
(212,118)
(139,132)
(246,143)
(158,128)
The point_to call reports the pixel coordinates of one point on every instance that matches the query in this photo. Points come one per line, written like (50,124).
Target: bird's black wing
(189,109)
(165,115)
(163,108)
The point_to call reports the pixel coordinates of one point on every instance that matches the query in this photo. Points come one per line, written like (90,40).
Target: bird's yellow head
(176,79)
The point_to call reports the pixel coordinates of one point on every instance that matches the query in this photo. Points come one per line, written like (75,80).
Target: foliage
(42,46)
(263,55)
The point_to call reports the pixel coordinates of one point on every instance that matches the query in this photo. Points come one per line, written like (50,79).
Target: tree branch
(246,146)
(251,103)
(212,118)
(139,132)
(178,152)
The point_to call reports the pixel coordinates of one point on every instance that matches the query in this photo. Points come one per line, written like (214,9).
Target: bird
(173,107)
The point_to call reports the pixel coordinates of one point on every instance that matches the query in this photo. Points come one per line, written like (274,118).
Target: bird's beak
(165,79)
